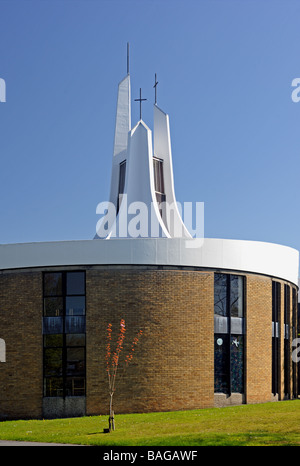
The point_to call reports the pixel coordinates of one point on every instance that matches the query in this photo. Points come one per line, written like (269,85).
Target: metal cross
(140,101)
(155,84)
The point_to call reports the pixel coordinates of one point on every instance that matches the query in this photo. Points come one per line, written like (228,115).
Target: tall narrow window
(64,334)
(294,335)
(276,297)
(287,353)
(159,185)
(122,173)
(229,333)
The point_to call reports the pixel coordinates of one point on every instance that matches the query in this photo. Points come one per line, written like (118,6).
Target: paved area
(12,443)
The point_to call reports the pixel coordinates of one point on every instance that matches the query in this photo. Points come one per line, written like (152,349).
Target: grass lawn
(256,425)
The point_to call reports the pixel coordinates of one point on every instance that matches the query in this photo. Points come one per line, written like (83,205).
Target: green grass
(256,425)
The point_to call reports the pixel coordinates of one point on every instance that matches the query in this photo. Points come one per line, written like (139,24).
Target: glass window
(237,363)
(75,361)
(236,296)
(121,188)
(75,339)
(287,353)
(122,173)
(75,324)
(53,361)
(64,334)
(221,363)
(53,340)
(158,175)
(75,283)
(276,300)
(52,325)
(220,292)
(75,305)
(53,307)
(53,386)
(229,333)
(75,386)
(53,284)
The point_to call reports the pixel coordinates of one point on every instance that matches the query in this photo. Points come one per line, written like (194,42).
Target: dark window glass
(75,339)
(75,324)
(121,188)
(64,334)
(75,386)
(220,292)
(237,363)
(158,175)
(75,283)
(229,333)
(294,335)
(122,174)
(287,354)
(53,340)
(276,298)
(75,305)
(236,296)
(53,361)
(53,386)
(53,307)
(52,325)
(75,361)
(221,363)
(53,284)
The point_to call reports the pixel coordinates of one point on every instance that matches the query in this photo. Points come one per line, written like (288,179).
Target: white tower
(142,198)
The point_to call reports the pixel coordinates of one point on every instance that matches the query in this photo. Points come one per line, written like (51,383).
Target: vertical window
(276,297)
(294,335)
(287,352)
(64,334)
(158,175)
(121,189)
(159,186)
(229,333)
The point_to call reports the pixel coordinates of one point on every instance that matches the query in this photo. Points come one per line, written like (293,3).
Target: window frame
(64,378)
(229,329)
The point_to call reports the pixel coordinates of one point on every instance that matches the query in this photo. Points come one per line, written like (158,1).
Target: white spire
(142,188)
(123,116)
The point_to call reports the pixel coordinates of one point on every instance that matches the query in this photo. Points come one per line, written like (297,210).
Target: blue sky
(225,70)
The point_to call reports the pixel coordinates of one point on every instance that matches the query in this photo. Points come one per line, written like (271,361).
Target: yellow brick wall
(21,327)
(258,339)
(173,365)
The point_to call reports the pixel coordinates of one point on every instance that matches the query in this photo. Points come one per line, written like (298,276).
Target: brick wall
(258,339)
(21,328)
(173,365)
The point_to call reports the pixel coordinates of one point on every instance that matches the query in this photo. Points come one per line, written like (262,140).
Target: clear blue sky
(224,69)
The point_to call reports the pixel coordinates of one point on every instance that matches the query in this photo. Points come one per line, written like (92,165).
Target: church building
(216,317)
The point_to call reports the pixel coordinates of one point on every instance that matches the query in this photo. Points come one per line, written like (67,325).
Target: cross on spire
(155,84)
(140,100)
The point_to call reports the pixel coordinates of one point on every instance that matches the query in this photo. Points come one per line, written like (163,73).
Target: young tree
(113,360)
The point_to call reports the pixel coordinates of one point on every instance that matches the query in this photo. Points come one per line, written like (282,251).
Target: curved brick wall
(173,367)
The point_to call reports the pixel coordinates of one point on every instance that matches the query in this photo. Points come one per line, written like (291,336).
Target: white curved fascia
(162,150)
(232,255)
